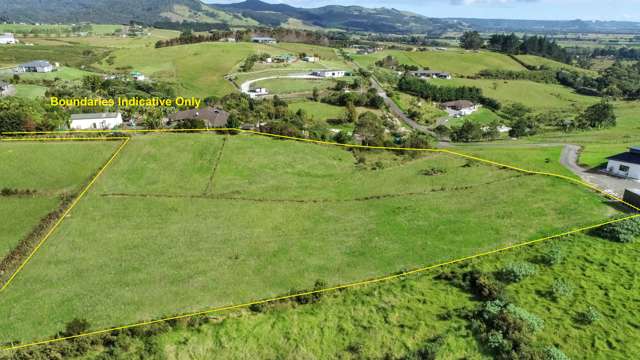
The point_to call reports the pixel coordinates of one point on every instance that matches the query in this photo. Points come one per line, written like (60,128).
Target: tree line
(513,44)
(428,91)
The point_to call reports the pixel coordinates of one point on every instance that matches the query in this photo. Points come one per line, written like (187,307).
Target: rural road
(569,159)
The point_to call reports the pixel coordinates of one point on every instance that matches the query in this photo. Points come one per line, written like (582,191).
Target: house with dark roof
(41,66)
(459,107)
(626,164)
(430,74)
(212,117)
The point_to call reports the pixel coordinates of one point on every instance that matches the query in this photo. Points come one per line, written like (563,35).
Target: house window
(623,168)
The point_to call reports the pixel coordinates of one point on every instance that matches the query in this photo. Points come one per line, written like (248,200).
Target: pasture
(244,217)
(540,97)
(291,86)
(455,61)
(49,169)
(539,61)
(30,91)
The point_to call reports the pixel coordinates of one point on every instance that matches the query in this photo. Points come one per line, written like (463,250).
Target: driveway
(607,183)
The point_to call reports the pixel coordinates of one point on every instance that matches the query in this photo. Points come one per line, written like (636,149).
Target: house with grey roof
(263,40)
(212,117)
(41,66)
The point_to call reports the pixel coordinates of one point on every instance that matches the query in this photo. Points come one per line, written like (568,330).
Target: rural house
(212,117)
(263,40)
(426,74)
(7,39)
(626,164)
(311,59)
(137,76)
(100,121)
(40,66)
(257,92)
(329,73)
(460,107)
(286,58)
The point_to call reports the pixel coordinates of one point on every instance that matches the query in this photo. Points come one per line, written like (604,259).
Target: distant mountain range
(256,13)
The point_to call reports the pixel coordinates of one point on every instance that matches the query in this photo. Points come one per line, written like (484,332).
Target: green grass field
(483,116)
(127,253)
(455,61)
(289,86)
(52,169)
(30,91)
(540,97)
(63,73)
(430,111)
(533,60)
(67,55)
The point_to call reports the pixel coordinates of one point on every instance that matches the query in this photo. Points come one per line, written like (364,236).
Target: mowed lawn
(540,97)
(160,233)
(455,61)
(51,169)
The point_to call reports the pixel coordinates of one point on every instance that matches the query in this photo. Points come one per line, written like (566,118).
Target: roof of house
(458,104)
(94,116)
(212,116)
(265,38)
(627,157)
(36,63)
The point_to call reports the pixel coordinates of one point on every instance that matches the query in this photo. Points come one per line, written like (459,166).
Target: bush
(482,285)
(553,353)
(623,231)
(76,327)
(552,257)
(433,171)
(532,322)
(589,316)
(516,272)
(561,288)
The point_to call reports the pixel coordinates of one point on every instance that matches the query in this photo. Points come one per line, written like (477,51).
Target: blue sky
(504,9)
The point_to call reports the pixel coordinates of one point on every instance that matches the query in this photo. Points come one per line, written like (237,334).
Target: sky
(625,10)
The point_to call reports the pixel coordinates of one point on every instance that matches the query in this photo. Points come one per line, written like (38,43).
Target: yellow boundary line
(286,297)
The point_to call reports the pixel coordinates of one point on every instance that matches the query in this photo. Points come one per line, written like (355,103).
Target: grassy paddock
(277,215)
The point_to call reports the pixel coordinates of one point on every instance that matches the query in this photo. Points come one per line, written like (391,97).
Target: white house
(311,59)
(258,92)
(100,121)
(625,164)
(7,38)
(41,66)
(460,107)
(263,40)
(424,74)
(329,73)
(137,76)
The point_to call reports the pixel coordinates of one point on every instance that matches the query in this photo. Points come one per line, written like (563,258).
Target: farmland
(51,170)
(283,218)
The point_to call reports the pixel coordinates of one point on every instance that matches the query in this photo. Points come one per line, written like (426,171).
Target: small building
(137,76)
(311,59)
(632,196)
(257,92)
(212,117)
(40,66)
(7,39)
(101,121)
(430,74)
(625,164)
(460,107)
(329,73)
(228,39)
(263,40)
(286,58)
(5,88)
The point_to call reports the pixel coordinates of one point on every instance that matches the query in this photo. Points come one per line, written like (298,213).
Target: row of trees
(513,44)
(428,91)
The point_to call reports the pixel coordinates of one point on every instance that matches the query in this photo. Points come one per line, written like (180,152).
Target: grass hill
(114,11)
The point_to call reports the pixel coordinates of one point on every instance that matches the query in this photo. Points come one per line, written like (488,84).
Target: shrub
(561,288)
(433,171)
(482,285)
(553,353)
(516,272)
(75,327)
(589,316)
(552,257)
(533,323)
(623,231)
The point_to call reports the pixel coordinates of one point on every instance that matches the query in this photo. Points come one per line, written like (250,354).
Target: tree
(471,40)
(369,126)
(469,131)
(598,116)
(315,94)
(524,126)
(351,114)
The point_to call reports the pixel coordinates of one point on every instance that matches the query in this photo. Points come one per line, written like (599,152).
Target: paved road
(396,111)
(607,183)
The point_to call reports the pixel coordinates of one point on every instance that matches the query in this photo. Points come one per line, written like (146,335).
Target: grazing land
(50,170)
(30,91)
(281,215)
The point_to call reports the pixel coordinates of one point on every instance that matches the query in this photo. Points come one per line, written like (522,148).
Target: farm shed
(626,164)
